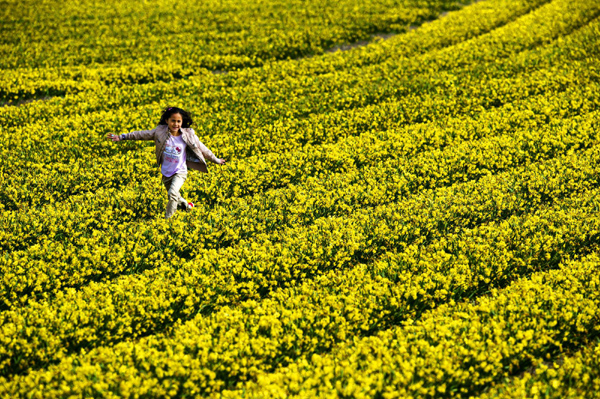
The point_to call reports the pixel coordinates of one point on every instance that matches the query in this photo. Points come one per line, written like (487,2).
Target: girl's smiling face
(175,122)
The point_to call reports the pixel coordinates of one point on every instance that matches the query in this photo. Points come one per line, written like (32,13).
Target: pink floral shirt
(174,157)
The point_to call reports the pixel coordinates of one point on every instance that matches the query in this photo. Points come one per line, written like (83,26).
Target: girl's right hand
(113,137)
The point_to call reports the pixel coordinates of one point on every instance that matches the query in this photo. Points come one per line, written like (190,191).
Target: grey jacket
(196,158)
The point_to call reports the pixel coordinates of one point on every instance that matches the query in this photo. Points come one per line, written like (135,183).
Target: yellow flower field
(410,207)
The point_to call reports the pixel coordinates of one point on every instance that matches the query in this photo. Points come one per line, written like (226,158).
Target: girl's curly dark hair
(185,116)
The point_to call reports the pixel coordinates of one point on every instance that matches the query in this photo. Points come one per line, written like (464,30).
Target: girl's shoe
(189,206)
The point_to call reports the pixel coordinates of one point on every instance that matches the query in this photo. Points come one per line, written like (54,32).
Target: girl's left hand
(222,161)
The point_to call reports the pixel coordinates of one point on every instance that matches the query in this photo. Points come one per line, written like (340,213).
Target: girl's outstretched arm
(137,135)
(208,154)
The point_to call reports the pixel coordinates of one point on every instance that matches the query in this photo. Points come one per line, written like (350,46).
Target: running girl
(177,150)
